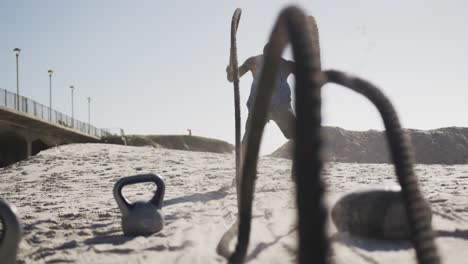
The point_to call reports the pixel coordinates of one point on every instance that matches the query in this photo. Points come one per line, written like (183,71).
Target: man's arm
(243,69)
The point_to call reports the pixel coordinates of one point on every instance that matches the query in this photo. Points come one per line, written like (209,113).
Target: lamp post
(17,52)
(50,94)
(89,114)
(73,117)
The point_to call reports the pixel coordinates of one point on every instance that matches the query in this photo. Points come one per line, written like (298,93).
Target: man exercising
(280,107)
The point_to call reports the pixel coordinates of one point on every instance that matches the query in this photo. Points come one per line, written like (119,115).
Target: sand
(64,197)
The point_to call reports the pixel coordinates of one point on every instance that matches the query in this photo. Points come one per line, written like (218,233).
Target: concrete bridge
(30,127)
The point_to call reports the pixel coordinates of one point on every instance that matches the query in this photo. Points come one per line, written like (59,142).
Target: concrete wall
(13,148)
(22,135)
(18,143)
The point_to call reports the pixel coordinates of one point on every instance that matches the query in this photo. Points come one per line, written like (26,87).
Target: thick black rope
(313,244)
(235,69)
(223,245)
(419,215)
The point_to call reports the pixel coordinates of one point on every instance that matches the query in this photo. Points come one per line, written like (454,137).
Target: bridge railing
(31,107)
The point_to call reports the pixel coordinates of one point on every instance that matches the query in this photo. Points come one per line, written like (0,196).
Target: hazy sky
(158,67)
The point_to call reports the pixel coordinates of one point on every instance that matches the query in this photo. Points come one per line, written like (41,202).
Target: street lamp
(89,114)
(50,94)
(73,120)
(17,52)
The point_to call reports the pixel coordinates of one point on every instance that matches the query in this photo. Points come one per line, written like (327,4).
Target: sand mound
(179,142)
(439,146)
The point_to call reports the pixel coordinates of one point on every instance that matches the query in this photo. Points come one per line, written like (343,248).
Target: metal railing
(33,108)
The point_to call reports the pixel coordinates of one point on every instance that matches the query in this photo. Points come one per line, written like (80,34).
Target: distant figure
(122,136)
(280,106)
(189,131)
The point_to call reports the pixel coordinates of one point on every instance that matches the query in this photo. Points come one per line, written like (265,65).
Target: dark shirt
(281,97)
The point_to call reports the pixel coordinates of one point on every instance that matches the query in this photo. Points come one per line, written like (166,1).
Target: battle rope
(419,217)
(235,69)
(307,164)
(313,244)
(223,245)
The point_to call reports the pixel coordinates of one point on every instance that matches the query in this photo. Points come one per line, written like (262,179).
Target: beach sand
(64,197)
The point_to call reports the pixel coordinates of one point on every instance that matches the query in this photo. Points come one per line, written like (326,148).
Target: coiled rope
(419,217)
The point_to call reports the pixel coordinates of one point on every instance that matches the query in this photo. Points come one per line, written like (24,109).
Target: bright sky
(158,67)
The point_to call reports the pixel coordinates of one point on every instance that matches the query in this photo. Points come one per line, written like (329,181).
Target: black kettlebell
(11,237)
(141,218)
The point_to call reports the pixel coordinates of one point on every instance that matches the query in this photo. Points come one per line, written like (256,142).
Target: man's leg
(286,120)
(247,127)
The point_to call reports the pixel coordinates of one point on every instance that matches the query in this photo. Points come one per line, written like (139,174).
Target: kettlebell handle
(11,237)
(157,199)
